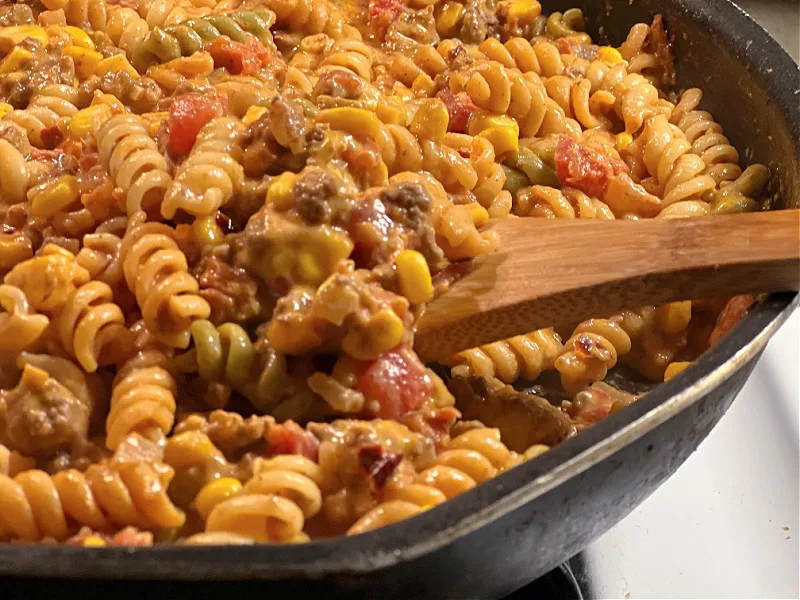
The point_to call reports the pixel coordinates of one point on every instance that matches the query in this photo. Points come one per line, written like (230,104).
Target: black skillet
(512,529)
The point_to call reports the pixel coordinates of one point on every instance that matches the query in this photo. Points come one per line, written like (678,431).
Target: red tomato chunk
(238,58)
(460,107)
(585,169)
(188,115)
(732,313)
(398,381)
(290,438)
(382,13)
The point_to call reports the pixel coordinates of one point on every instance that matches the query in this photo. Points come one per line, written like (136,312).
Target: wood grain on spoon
(548,272)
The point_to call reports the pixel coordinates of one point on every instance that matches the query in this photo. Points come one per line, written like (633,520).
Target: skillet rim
(458,517)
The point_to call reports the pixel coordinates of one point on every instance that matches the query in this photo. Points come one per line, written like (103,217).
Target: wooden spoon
(549,272)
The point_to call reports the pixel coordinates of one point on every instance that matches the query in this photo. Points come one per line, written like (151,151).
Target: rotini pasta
(222,221)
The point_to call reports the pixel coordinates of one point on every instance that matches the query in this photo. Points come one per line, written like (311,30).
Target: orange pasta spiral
(211,174)
(525,356)
(142,398)
(134,162)
(35,505)
(156,271)
(273,504)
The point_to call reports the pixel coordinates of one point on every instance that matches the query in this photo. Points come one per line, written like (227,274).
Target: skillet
(494,539)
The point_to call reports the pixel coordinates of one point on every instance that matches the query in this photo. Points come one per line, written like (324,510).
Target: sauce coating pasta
(222,219)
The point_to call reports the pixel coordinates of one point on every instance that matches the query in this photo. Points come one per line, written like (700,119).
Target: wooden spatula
(548,272)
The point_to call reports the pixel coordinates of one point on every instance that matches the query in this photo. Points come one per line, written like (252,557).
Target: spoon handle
(548,272)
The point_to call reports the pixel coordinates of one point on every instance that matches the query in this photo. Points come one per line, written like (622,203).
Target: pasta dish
(222,220)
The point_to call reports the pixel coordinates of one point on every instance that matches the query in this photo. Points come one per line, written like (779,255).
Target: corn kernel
(450,17)
(114,64)
(424,85)
(479,214)
(15,35)
(296,337)
(431,120)
(309,268)
(15,61)
(622,141)
(524,11)
(279,193)
(355,121)
(674,368)
(383,332)
(414,276)
(347,371)
(502,139)
(534,451)
(110,100)
(391,113)
(190,448)
(85,60)
(253,114)
(609,56)
(207,232)
(79,37)
(5,108)
(675,316)
(55,198)
(94,542)
(84,120)
(215,493)
(153,121)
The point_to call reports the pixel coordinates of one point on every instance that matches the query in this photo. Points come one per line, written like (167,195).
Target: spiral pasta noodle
(273,505)
(524,356)
(142,398)
(211,174)
(468,460)
(157,273)
(133,161)
(222,221)
(36,505)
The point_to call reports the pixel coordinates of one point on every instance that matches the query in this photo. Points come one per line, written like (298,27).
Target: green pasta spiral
(225,354)
(163,44)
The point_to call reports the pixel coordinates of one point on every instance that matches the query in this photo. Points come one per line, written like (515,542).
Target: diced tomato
(382,13)
(584,168)
(459,107)
(397,380)
(52,137)
(290,438)
(188,115)
(732,313)
(238,58)
(563,45)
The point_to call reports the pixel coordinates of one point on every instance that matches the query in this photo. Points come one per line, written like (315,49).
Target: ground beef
(320,198)
(478,22)
(408,204)
(42,416)
(658,43)
(18,87)
(289,124)
(229,290)
(411,29)
(523,419)
(16,14)
(141,95)
(16,136)
(229,431)
(260,147)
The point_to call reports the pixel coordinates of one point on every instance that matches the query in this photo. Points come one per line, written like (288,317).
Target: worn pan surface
(497,537)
